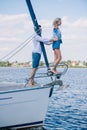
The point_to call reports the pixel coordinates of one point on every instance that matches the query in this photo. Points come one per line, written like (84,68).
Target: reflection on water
(67,108)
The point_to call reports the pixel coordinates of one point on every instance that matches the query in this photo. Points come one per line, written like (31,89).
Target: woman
(56,44)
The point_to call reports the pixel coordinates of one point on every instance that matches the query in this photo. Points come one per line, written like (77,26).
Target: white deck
(12,86)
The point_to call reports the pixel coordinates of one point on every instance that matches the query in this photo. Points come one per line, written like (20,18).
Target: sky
(16,26)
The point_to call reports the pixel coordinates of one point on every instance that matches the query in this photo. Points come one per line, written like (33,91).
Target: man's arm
(44,40)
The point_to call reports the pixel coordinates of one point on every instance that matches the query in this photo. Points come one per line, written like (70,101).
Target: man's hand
(51,41)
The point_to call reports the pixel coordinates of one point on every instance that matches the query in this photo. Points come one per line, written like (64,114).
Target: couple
(36,54)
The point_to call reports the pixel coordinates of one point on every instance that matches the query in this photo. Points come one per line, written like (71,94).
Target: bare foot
(54,71)
(32,83)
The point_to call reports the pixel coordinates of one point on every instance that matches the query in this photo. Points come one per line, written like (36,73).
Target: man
(36,54)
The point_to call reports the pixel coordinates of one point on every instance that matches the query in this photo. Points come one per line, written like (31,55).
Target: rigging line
(15,48)
(22,44)
(19,50)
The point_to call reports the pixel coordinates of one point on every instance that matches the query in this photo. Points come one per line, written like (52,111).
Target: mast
(35,23)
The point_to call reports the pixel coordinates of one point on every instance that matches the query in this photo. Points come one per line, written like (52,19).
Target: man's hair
(39,26)
(36,28)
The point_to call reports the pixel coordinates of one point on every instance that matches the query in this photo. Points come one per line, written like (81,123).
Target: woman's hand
(55,39)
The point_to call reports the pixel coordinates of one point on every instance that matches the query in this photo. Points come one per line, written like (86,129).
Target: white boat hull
(23,107)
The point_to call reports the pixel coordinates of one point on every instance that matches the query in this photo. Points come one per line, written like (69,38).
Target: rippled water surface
(67,108)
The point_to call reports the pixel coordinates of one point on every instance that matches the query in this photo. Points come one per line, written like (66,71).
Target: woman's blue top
(57,33)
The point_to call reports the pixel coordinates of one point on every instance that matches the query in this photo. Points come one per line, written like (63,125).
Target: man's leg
(31,81)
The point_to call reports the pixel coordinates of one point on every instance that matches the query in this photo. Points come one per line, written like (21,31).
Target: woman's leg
(57,58)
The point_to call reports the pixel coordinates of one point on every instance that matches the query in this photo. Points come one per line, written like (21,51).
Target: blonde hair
(56,20)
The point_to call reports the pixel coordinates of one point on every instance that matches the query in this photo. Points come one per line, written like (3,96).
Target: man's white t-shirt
(36,43)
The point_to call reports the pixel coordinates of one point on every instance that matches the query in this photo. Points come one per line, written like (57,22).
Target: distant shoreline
(71,64)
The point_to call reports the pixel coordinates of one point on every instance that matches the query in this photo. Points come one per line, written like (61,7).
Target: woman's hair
(56,20)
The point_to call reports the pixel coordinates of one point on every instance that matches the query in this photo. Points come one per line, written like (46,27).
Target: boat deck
(14,86)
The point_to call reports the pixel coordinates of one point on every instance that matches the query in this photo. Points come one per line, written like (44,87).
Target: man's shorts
(35,59)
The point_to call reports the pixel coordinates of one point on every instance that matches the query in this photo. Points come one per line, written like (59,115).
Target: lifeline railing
(55,80)
(64,66)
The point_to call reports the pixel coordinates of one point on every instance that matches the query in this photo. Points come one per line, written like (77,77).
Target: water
(67,108)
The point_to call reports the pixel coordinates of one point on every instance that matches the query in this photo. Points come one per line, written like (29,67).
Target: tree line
(28,64)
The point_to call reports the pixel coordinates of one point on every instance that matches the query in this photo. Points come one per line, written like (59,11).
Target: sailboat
(22,106)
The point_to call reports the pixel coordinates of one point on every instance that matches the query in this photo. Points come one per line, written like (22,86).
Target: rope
(18,48)
(13,50)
